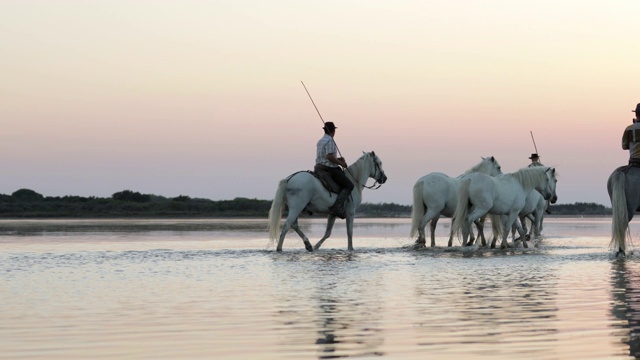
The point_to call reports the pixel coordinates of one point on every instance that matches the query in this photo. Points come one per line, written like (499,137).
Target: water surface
(166,289)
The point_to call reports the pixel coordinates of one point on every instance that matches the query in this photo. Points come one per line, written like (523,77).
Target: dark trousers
(338,176)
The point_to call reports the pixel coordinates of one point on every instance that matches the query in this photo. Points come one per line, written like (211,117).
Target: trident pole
(314,104)
(534,141)
(318,111)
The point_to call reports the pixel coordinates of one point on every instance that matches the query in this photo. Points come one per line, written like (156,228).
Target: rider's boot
(337,208)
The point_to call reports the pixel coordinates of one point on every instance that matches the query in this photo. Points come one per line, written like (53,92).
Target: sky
(204,98)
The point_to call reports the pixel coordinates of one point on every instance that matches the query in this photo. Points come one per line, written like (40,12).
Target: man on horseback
(535,160)
(631,139)
(327,160)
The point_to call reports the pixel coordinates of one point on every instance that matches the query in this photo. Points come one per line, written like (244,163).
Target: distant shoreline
(28,204)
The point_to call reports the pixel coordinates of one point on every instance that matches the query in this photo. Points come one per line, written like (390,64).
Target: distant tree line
(26,203)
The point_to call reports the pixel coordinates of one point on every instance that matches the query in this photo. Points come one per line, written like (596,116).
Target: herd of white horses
(482,191)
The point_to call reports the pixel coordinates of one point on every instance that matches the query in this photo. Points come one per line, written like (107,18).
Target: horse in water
(623,186)
(303,191)
(436,194)
(480,194)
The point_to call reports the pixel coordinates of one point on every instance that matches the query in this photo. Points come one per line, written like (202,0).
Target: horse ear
(373,153)
(493,159)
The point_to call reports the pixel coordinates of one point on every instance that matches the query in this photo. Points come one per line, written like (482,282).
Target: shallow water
(154,289)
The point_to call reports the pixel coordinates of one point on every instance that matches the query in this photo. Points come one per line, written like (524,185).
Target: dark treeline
(26,203)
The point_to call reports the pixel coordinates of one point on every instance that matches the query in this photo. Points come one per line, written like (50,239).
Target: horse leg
(523,234)
(449,244)
(307,244)
(330,221)
(480,226)
(283,233)
(474,214)
(434,222)
(472,237)
(507,224)
(292,221)
(350,231)
(428,218)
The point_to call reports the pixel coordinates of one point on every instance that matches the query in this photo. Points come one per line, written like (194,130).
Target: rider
(631,139)
(535,160)
(327,160)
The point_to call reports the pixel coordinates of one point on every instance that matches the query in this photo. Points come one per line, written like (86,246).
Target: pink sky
(204,98)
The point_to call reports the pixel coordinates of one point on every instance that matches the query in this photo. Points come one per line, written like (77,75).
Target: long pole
(534,141)
(318,111)
(314,104)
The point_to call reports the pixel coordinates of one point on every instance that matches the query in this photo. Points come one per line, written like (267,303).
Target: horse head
(376,169)
(491,166)
(548,187)
(551,175)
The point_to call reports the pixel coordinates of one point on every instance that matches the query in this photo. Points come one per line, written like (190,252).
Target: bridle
(378,171)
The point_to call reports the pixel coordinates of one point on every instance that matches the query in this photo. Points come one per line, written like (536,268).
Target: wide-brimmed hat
(329,126)
(534,156)
(637,110)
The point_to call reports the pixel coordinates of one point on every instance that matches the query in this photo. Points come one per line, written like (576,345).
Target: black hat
(637,110)
(329,126)
(534,156)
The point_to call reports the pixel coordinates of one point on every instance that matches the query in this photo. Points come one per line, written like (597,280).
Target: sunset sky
(203,98)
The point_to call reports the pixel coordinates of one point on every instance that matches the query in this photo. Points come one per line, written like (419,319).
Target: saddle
(326,180)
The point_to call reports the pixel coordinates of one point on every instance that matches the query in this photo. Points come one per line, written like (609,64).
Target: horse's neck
(357,175)
(527,182)
(483,169)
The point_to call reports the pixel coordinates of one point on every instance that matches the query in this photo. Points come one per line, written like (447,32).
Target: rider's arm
(625,139)
(338,161)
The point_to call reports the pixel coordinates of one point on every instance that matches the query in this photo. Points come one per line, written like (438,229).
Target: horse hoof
(620,251)
(308,246)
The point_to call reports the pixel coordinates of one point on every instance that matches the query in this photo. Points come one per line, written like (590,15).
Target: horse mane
(481,167)
(356,169)
(530,177)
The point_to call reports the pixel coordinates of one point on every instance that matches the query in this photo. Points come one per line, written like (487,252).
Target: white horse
(480,194)
(302,191)
(436,194)
(624,193)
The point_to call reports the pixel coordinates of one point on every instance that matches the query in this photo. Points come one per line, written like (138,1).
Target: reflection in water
(488,304)
(626,305)
(44,227)
(345,323)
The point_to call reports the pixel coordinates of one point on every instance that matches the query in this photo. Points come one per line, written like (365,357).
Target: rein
(372,187)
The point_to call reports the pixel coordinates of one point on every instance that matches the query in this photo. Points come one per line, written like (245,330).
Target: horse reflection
(626,304)
(333,306)
(487,305)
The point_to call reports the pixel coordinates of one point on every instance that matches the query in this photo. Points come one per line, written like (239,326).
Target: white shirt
(325,146)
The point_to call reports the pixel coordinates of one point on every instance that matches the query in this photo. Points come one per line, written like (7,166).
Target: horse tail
(620,220)
(275,213)
(462,208)
(417,210)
